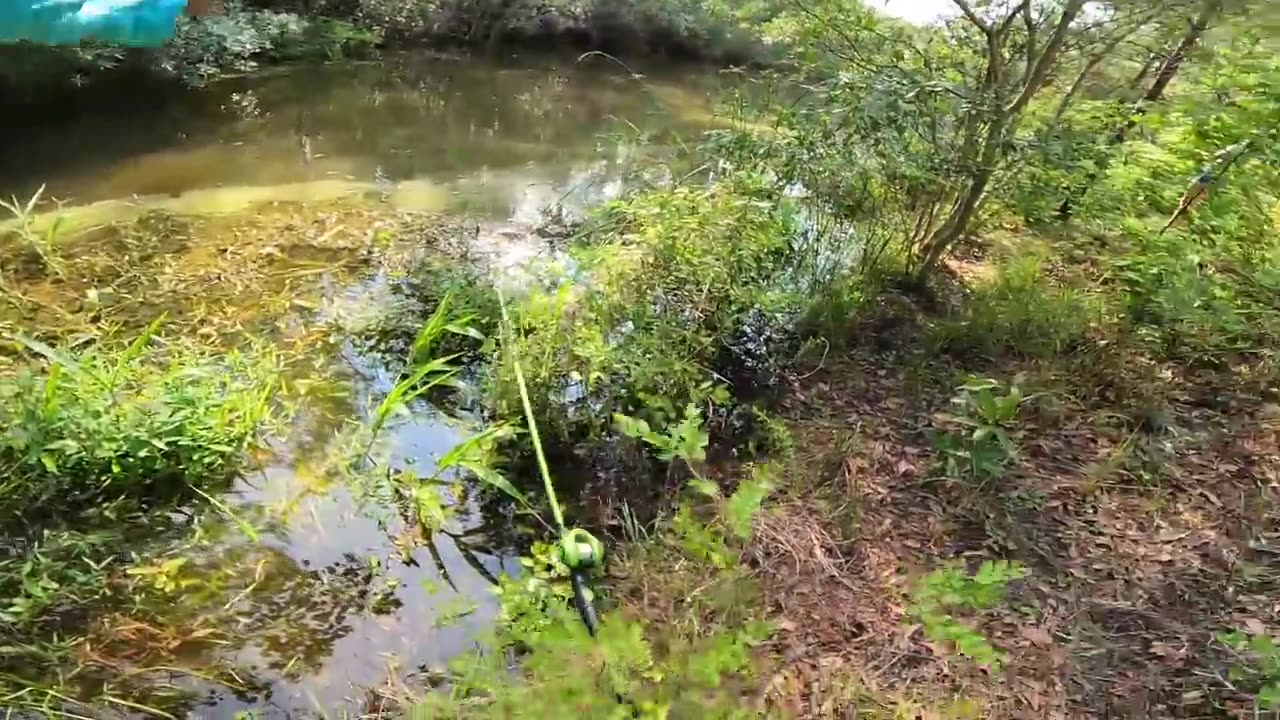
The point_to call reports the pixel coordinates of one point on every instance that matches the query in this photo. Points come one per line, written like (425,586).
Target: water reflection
(333,599)
(408,117)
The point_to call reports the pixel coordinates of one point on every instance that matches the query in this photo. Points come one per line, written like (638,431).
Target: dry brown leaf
(1038,636)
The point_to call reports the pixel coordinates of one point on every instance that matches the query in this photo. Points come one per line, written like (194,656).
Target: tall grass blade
(245,527)
(467,455)
(410,389)
(134,351)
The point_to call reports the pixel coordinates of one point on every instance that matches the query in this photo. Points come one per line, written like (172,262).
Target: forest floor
(1143,539)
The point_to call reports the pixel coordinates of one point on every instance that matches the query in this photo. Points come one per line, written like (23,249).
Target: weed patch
(88,430)
(670,278)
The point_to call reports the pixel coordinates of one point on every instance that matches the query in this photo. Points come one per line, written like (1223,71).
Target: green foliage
(699,27)
(425,372)
(99,445)
(740,509)
(1198,304)
(686,440)
(675,276)
(980,449)
(238,41)
(86,430)
(631,668)
(1258,665)
(59,573)
(202,50)
(949,590)
(364,464)
(1022,312)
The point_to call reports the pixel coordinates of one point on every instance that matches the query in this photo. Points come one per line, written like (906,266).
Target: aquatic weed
(87,429)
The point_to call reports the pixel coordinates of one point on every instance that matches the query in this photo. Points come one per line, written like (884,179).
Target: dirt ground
(1145,531)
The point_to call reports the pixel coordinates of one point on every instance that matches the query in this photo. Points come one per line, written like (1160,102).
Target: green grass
(1021,312)
(98,445)
(85,430)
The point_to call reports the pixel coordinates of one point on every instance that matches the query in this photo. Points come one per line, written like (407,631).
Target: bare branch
(973,16)
(1007,22)
(1030,22)
(1048,56)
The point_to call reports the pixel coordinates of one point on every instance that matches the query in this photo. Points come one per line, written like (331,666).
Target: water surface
(335,600)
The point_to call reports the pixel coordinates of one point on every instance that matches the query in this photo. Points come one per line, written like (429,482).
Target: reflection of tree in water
(296,615)
(478,117)
(176,650)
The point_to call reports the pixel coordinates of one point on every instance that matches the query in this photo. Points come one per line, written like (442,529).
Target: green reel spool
(579,550)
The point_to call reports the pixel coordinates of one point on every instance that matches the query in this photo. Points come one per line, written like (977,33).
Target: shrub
(1022,312)
(203,49)
(675,297)
(88,429)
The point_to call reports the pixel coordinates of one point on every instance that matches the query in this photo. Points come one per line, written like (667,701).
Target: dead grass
(1132,573)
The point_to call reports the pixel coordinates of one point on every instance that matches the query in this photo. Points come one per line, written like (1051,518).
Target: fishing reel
(580,550)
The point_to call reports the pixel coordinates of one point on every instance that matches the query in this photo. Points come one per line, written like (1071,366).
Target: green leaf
(432,329)
(1269,697)
(461,328)
(741,509)
(704,487)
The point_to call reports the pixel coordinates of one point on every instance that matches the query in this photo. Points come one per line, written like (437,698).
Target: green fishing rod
(578,549)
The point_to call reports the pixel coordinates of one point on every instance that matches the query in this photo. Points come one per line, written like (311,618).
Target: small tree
(1016,69)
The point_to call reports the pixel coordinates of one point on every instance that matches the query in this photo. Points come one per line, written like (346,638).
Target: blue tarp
(140,23)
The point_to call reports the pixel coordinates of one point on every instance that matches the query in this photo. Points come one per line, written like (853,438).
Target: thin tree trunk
(1173,62)
(958,222)
(1141,78)
(1003,125)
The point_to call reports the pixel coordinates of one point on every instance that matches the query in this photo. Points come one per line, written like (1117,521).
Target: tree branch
(973,16)
(1048,56)
(1030,22)
(1013,15)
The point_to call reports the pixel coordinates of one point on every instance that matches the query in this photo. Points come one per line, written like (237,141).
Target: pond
(266,187)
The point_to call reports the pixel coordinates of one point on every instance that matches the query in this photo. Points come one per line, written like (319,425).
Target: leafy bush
(205,48)
(699,27)
(89,429)
(671,282)
(202,50)
(949,589)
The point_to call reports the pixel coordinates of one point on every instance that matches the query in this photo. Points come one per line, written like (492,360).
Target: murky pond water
(333,602)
